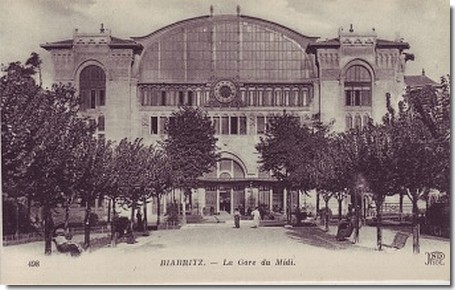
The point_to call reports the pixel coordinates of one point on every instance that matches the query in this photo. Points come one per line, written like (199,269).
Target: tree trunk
(17,218)
(289,207)
(109,212)
(144,220)
(88,211)
(158,209)
(379,225)
(113,228)
(340,208)
(427,202)
(317,204)
(48,230)
(29,211)
(133,207)
(401,206)
(415,226)
(67,217)
(184,208)
(326,210)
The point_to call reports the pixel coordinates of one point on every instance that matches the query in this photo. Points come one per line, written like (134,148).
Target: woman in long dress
(256,217)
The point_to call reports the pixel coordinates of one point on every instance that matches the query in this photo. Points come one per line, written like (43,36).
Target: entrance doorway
(225,200)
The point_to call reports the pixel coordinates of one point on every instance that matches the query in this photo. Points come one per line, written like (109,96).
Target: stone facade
(241,70)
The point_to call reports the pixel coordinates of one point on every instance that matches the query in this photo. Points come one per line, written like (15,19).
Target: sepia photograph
(236,142)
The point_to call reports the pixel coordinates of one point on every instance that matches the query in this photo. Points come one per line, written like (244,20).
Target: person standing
(256,217)
(140,225)
(237,218)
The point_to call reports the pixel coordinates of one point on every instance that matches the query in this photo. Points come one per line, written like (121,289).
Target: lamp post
(357,212)
(359,188)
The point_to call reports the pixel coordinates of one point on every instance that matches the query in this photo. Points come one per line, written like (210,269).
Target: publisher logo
(435,258)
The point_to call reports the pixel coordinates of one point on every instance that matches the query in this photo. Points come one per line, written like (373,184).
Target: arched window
(92,87)
(101,123)
(358,122)
(357,86)
(348,122)
(226,169)
(366,120)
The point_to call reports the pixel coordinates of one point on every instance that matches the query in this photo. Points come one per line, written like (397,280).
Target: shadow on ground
(316,237)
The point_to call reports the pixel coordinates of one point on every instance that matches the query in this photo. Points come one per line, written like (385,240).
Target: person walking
(256,217)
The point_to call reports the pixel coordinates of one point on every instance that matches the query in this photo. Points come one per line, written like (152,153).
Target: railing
(39,236)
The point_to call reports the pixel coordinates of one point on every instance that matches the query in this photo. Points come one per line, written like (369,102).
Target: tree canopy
(190,145)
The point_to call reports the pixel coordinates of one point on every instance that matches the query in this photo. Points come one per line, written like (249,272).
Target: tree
(93,161)
(128,164)
(289,150)
(191,147)
(338,169)
(431,107)
(377,166)
(160,178)
(39,131)
(421,136)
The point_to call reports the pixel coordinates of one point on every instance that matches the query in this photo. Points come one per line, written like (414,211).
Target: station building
(242,70)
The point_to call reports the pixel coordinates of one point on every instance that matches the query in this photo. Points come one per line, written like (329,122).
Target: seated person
(65,245)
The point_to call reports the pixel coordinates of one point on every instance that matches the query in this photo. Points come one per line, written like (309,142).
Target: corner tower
(356,73)
(99,66)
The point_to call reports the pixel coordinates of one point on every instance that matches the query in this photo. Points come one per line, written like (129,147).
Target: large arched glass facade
(227,47)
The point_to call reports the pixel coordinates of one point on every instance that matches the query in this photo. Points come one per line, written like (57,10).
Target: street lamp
(359,188)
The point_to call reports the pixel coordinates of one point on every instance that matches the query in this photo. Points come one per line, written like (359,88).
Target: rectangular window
(357,97)
(244,98)
(163,98)
(253,101)
(278,98)
(293,99)
(93,99)
(348,98)
(101,123)
(242,125)
(207,96)
(168,97)
(305,98)
(91,122)
(224,125)
(102,98)
(163,123)
(171,122)
(366,99)
(153,125)
(216,124)
(260,124)
(260,94)
(200,97)
(268,98)
(155,98)
(181,98)
(234,125)
(145,98)
(286,98)
(190,98)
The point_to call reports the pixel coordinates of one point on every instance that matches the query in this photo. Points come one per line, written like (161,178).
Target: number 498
(33,263)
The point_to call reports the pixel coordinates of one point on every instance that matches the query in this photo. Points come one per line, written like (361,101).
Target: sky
(425,24)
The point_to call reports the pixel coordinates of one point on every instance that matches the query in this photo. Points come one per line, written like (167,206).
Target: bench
(399,241)
(68,248)
(345,229)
